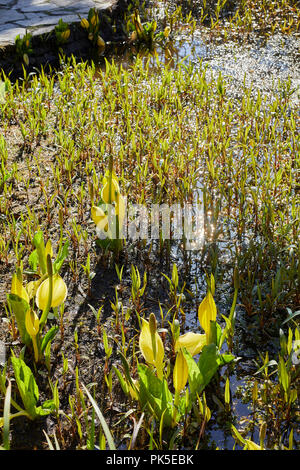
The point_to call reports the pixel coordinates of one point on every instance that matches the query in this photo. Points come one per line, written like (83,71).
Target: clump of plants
(92,26)
(24,47)
(145,34)
(62,33)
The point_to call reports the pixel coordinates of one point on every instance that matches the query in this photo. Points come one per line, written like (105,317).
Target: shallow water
(258,65)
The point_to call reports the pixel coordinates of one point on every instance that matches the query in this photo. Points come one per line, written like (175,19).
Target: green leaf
(208,364)
(194,374)
(166,405)
(215,333)
(33,260)
(49,337)
(283,375)
(122,381)
(38,241)
(291,316)
(150,390)
(2,92)
(19,307)
(105,428)
(27,386)
(126,369)
(225,359)
(62,255)
(268,364)
(46,408)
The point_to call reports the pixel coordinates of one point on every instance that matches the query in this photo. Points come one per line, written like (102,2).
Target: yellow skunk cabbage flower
(32,287)
(120,208)
(115,190)
(32,323)
(100,42)
(151,347)
(99,218)
(180,372)
(65,34)
(18,289)
(167,31)
(84,23)
(192,342)
(48,249)
(59,293)
(132,391)
(94,19)
(207,312)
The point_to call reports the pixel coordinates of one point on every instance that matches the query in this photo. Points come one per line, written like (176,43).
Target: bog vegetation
(108,343)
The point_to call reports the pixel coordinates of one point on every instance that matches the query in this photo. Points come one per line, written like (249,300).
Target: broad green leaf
(166,404)
(19,307)
(150,390)
(195,378)
(26,385)
(33,260)
(46,408)
(208,364)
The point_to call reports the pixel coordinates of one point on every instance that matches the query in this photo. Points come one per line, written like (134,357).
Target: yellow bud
(120,208)
(114,191)
(94,19)
(167,31)
(32,323)
(91,36)
(65,34)
(180,372)
(100,42)
(132,391)
(84,23)
(207,312)
(146,347)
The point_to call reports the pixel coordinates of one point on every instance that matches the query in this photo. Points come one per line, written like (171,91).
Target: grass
(174,133)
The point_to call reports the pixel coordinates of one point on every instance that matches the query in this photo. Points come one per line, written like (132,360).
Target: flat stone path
(41,16)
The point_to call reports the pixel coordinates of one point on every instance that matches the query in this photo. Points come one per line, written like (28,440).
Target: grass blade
(105,428)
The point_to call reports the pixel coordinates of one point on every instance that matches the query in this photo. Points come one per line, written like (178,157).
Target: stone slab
(18,15)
